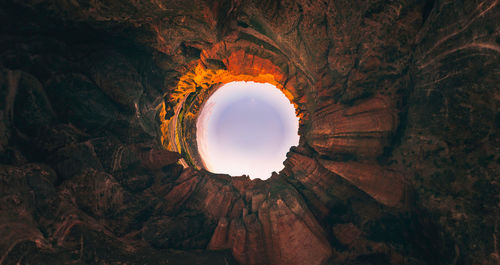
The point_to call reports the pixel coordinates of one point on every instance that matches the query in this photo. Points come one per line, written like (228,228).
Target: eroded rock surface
(397,162)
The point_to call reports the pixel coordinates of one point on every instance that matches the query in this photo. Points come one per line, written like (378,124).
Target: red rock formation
(186,184)
(291,233)
(361,129)
(277,228)
(84,84)
(384,185)
(323,184)
(157,158)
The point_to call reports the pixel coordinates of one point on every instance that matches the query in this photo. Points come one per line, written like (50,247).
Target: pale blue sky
(246,128)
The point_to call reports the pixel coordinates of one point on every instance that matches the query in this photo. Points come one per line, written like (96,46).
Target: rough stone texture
(117,78)
(362,130)
(397,163)
(383,184)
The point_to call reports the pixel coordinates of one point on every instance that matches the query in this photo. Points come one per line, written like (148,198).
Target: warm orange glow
(164,127)
(240,65)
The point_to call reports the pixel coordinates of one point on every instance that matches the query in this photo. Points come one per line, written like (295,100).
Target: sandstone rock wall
(397,162)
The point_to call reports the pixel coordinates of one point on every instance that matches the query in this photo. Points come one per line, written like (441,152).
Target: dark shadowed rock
(106,194)
(184,231)
(77,100)
(49,139)
(75,159)
(117,78)
(32,108)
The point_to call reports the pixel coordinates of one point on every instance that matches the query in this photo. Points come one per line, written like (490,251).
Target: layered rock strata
(397,162)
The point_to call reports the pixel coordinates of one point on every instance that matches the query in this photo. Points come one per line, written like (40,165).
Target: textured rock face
(362,129)
(397,163)
(382,184)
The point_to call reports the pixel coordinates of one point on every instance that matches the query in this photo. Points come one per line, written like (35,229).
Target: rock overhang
(396,99)
(216,67)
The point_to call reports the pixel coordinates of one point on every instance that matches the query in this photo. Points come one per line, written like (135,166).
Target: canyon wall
(397,161)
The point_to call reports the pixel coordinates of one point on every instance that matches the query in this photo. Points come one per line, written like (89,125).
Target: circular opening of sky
(246,128)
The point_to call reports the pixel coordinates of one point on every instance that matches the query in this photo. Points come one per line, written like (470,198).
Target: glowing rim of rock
(207,79)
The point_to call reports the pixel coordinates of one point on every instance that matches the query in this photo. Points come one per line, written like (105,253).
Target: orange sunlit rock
(240,66)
